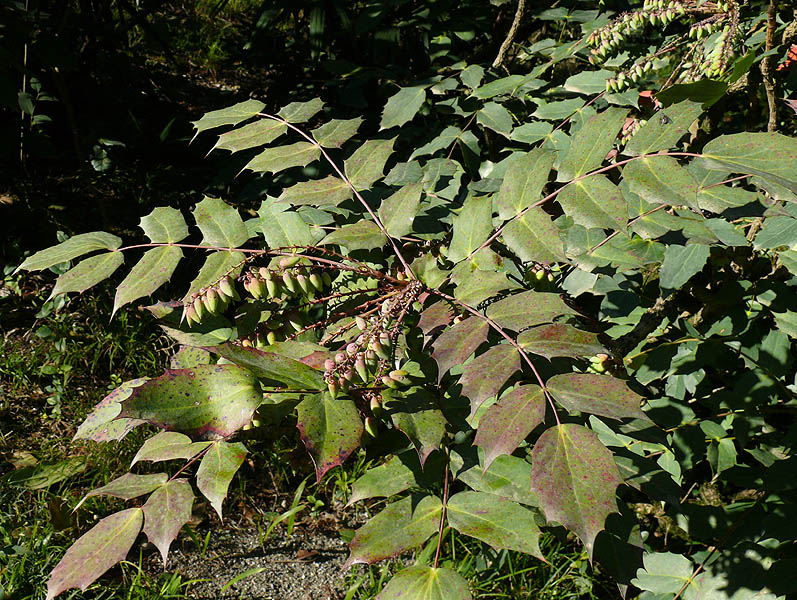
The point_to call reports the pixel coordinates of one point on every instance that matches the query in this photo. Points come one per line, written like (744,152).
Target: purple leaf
(437,315)
(165,513)
(559,339)
(210,400)
(526,309)
(486,374)
(575,478)
(330,429)
(458,343)
(426,583)
(104,545)
(128,486)
(503,524)
(168,445)
(103,424)
(217,469)
(597,395)
(402,525)
(506,424)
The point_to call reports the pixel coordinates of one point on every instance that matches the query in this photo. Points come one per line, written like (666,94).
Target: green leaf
(281,227)
(457,343)
(681,263)
(129,486)
(771,156)
(416,414)
(534,238)
(255,134)
(274,160)
(526,309)
(426,583)
(329,191)
(505,85)
(154,269)
(444,139)
(503,524)
(389,479)
(45,474)
(706,92)
(526,174)
(362,235)
(727,233)
(168,445)
(787,322)
(472,75)
(588,82)
(87,273)
(472,226)
(275,369)
(777,232)
(494,116)
(575,477)
(221,225)
(165,513)
(102,424)
(300,112)
(398,211)
(559,339)
(216,470)
(206,400)
(664,573)
(399,527)
(486,374)
(530,133)
(721,197)
(507,423)
(664,129)
(595,202)
(596,394)
(591,142)
(556,111)
(403,106)
(661,180)
(330,429)
(75,246)
(366,165)
(217,265)
(480,285)
(228,116)
(104,545)
(164,225)
(336,132)
(507,477)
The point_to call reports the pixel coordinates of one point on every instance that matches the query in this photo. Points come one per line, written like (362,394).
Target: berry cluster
(211,300)
(607,40)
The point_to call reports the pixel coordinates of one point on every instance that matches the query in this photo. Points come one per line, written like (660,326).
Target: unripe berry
(226,287)
(315,281)
(212,301)
(289,282)
(199,308)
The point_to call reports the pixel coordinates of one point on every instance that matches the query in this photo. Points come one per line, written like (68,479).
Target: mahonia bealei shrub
(533,332)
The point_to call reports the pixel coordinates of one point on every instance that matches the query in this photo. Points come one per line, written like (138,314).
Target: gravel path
(304,566)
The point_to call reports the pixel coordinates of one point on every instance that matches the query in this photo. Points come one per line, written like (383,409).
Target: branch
(766,69)
(510,37)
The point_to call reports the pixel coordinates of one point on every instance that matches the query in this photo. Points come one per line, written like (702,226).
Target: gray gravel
(305,566)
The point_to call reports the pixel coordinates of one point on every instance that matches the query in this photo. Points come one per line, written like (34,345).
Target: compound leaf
(400,526)
(75,246)
(507,423)
(153,270)
(330,429)
(503,524)
(221,225)
(575,478)
(104,545)
(205,400)
(426,583)
(596,394)
(165,513)
(216,470)
(128,486)
(168,445)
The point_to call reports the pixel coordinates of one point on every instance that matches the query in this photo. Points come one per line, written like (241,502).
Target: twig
(510,36)
(442,517)
(766,69)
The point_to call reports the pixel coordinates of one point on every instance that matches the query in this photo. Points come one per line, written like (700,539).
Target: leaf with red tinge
(575,478)
(168,445)
(103,423)
(330,429)
(165,513)
(415,413)
(458,343)
(597,395)
(506,424)
(104,545)
(559,339)
(217,469)
(206,400)
(437,315)
(503,524)
(526,309)
(128,486)
(426,583)
(483,377)
(400,526)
